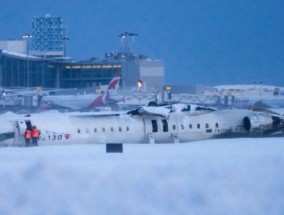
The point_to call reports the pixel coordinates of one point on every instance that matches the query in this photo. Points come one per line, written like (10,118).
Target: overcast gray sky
(201,42)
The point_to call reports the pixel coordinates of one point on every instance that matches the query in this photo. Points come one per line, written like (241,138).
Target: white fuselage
(67,128)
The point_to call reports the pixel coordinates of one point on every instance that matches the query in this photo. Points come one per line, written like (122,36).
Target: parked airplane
(87,101)
(143,125)
(258,101)
(250,90)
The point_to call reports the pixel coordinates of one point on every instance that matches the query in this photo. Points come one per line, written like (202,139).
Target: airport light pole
(124,37)
(27,37)
(64,45)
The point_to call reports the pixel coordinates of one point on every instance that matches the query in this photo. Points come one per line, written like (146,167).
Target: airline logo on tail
(112,88)
(113,85)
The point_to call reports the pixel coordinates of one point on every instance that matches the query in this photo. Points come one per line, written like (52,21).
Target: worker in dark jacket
(28,135)
(35,135)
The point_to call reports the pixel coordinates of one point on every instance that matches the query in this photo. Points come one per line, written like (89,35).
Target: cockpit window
(187,108)
(199,108)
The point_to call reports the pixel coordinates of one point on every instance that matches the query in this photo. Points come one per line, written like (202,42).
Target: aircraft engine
(257,122)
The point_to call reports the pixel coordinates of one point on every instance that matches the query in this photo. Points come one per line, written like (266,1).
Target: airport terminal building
(22,70)
(46,64)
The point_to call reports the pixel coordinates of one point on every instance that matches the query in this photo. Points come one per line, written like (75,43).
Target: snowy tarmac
(228,176)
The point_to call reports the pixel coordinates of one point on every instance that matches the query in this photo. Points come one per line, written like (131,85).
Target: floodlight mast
(124,41)
(27,37)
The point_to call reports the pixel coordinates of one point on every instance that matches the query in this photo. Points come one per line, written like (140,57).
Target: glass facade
(50,73)
(87,74)
(14,72)
(48,34)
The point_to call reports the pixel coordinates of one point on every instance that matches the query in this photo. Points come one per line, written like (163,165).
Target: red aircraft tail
(112,88)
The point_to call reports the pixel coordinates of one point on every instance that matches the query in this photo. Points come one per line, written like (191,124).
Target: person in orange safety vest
(28,135)
(35,135)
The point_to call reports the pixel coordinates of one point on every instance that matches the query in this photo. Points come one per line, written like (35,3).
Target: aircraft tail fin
(114,83)
(101,100)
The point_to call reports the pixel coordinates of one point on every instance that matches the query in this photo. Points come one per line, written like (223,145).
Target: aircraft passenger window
(95,130)
(78,130)
(154,125)
(127,128)
(165,125)
(119,129)
(182,127)
(207,125)
(174,127)
(198,126)
(87,130)
(111,129)
(103,129)
(216,125)
(190,126)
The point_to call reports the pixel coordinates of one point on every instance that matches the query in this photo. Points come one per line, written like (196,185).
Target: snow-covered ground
(231,176)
